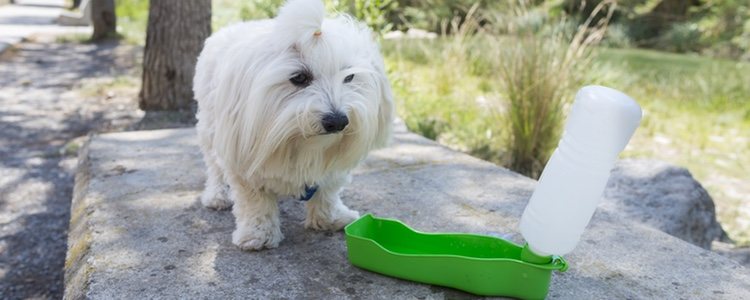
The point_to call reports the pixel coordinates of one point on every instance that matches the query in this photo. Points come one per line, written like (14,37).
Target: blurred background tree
(174,38)
(714,27)
(103,19)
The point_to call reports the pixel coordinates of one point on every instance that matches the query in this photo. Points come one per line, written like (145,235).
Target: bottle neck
(530,256)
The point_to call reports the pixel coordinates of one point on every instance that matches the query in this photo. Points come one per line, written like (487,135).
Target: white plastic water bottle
(599,125)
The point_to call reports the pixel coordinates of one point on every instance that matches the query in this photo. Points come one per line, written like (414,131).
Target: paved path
(39,113)
(30,17)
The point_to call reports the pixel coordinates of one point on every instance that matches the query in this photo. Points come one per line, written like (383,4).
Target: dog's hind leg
(256,214)
(325,211)
(216,192)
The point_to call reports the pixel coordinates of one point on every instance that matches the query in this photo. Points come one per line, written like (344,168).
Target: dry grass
(538,69)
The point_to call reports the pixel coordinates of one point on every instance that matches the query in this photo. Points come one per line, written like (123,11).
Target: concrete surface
(138,231)
(26,18)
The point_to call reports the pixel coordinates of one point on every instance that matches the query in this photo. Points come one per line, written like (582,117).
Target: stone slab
(138,231)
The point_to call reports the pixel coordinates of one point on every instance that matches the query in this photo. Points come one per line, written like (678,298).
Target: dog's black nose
(334,122)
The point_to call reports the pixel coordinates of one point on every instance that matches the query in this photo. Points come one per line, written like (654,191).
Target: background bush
(719,28)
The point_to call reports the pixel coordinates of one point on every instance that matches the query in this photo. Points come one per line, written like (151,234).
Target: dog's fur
(261,135)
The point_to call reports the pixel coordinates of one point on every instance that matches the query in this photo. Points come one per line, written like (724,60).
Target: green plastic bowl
(478,264)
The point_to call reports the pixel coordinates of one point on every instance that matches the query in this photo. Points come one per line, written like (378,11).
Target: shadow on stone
(38,118)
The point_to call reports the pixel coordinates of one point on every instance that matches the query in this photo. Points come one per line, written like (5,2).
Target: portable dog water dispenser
(600,124)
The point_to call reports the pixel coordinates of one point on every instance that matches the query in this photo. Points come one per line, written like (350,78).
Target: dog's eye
(349,78)
(301,79)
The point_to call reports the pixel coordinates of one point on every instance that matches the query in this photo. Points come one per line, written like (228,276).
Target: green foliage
(681,38)
(373,12)
(260,9)
(226,12)
(717,27)
(725,27)
(617,37)
(132,17)
(432,15)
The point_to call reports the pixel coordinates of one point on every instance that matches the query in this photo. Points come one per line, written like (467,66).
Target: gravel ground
(41,112)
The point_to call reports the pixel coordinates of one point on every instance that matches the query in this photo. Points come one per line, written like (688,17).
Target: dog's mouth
(323,134)
(332,133)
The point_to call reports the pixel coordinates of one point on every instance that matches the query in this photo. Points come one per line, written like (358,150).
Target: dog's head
(309,83)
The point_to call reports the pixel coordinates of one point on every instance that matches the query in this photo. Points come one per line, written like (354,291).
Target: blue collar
(309,192)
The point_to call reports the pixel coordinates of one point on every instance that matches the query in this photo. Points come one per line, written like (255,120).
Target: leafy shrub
(260,9)
(617,37)
(375,13)
(131,19)
(681,38)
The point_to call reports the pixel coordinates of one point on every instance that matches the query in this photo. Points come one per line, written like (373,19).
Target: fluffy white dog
(287,107)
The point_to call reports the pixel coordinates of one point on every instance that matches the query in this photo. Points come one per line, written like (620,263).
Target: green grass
(78,38)
(443,100)
(688,81)
(100,86)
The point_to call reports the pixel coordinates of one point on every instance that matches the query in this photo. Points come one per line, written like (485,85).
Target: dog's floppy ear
(300,20)
(238,116)
(385,107)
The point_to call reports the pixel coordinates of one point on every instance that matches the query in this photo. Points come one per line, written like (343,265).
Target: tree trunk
(103,18)
(175,36)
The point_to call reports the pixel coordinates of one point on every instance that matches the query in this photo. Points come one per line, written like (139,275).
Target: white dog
(287,107)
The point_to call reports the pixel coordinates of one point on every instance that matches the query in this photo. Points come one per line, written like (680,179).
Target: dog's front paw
(334,220)
(216,198)
(257,237)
